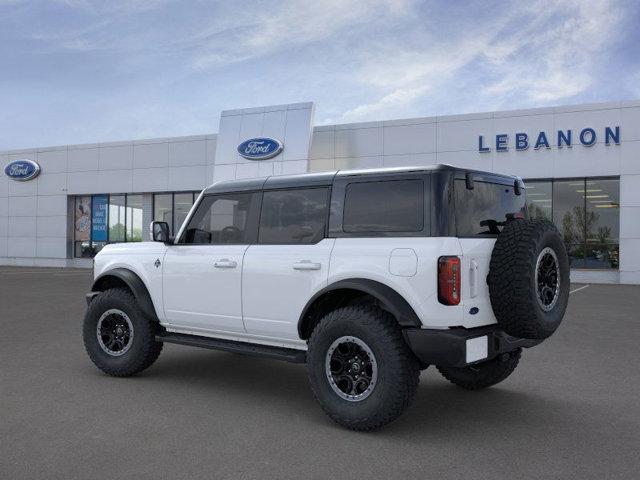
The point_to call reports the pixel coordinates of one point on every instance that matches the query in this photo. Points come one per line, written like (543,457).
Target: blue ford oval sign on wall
(260,148)
(22,170)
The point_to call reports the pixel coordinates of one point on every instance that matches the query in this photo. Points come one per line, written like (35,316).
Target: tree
(535,212)
(577,223)
(116,233)
(604,234)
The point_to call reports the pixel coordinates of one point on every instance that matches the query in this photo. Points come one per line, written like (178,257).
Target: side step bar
(278,353)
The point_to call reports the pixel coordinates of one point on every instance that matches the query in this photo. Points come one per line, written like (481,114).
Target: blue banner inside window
(99,207)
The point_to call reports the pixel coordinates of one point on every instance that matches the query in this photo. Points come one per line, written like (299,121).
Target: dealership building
(581,165)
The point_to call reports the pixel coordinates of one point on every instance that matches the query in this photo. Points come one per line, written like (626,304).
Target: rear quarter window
(483,210)
(384,206)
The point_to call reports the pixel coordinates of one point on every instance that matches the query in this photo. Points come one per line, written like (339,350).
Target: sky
(80,71)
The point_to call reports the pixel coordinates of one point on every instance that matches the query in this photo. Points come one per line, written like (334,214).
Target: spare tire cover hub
(548,278)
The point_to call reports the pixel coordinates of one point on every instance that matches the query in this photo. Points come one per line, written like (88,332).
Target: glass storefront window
(539,199)
(82,226)
(173,208)
(134,218)
(182,203)
(587,213)
(163,208)
(603,223)
(117,218)
(569,217)
(103,219)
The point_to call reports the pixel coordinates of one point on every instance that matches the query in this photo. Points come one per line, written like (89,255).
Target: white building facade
(581,165)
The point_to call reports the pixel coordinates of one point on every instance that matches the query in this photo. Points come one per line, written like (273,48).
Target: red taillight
(449,280)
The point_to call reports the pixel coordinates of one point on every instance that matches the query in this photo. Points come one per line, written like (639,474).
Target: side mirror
(160,232)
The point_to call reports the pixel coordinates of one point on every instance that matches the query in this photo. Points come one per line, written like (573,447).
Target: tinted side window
(221,219)
(293,216)
(483,210)
(385,206)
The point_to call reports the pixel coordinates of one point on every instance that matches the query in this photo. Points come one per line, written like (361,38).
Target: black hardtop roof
(327,178)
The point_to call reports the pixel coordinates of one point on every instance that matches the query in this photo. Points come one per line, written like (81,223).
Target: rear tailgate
(481,209)
(476,255)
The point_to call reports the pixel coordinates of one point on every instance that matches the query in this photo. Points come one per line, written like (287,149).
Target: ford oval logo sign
(22,170)
(260,148)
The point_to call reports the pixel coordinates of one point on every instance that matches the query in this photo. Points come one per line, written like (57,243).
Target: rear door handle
(306,265)
(225,263)
(473,278)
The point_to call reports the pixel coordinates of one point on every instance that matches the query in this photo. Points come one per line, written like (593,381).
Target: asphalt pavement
(570,410)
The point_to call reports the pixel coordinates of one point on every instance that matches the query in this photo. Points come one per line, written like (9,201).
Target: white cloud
(544,52)
(286,25)
(397,98)
(161,68)
(405,76)
(112,5)
(554,63)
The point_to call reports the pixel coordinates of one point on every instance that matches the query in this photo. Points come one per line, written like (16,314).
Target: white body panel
(139,258)
(384,259)
(278,281)
(474,265)
(258,292)
(202,287)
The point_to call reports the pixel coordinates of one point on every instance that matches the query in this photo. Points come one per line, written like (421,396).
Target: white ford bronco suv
(367,276)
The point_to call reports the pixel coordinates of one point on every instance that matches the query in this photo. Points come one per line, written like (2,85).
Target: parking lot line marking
(578,289)
(44,274)
(20,271)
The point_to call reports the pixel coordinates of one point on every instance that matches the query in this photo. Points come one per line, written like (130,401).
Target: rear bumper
(459,347)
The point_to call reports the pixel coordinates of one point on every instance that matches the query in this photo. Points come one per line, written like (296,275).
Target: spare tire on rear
(529,278)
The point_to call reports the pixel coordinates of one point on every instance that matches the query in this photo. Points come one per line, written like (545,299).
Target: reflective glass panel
(539,199)
(602,223)
(117,215)
(134,218)
(163,209)
(182,204)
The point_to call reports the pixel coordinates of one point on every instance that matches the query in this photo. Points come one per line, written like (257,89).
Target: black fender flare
(389,299)
(135,284)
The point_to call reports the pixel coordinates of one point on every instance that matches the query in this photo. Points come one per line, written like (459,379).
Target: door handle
(306,265)
(473,278)
(225,263)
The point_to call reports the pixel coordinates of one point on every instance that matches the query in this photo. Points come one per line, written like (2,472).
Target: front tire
(485,374)
(118,337)
(360,369)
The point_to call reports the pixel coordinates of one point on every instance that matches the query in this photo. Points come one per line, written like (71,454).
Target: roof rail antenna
(468,179)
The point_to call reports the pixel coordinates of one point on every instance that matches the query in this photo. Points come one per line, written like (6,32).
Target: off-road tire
(512,278)
(398,369)
(485,374)
(144,349)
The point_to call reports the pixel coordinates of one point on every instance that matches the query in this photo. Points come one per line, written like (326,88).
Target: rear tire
(485,374)
(368,338)
(118,337)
